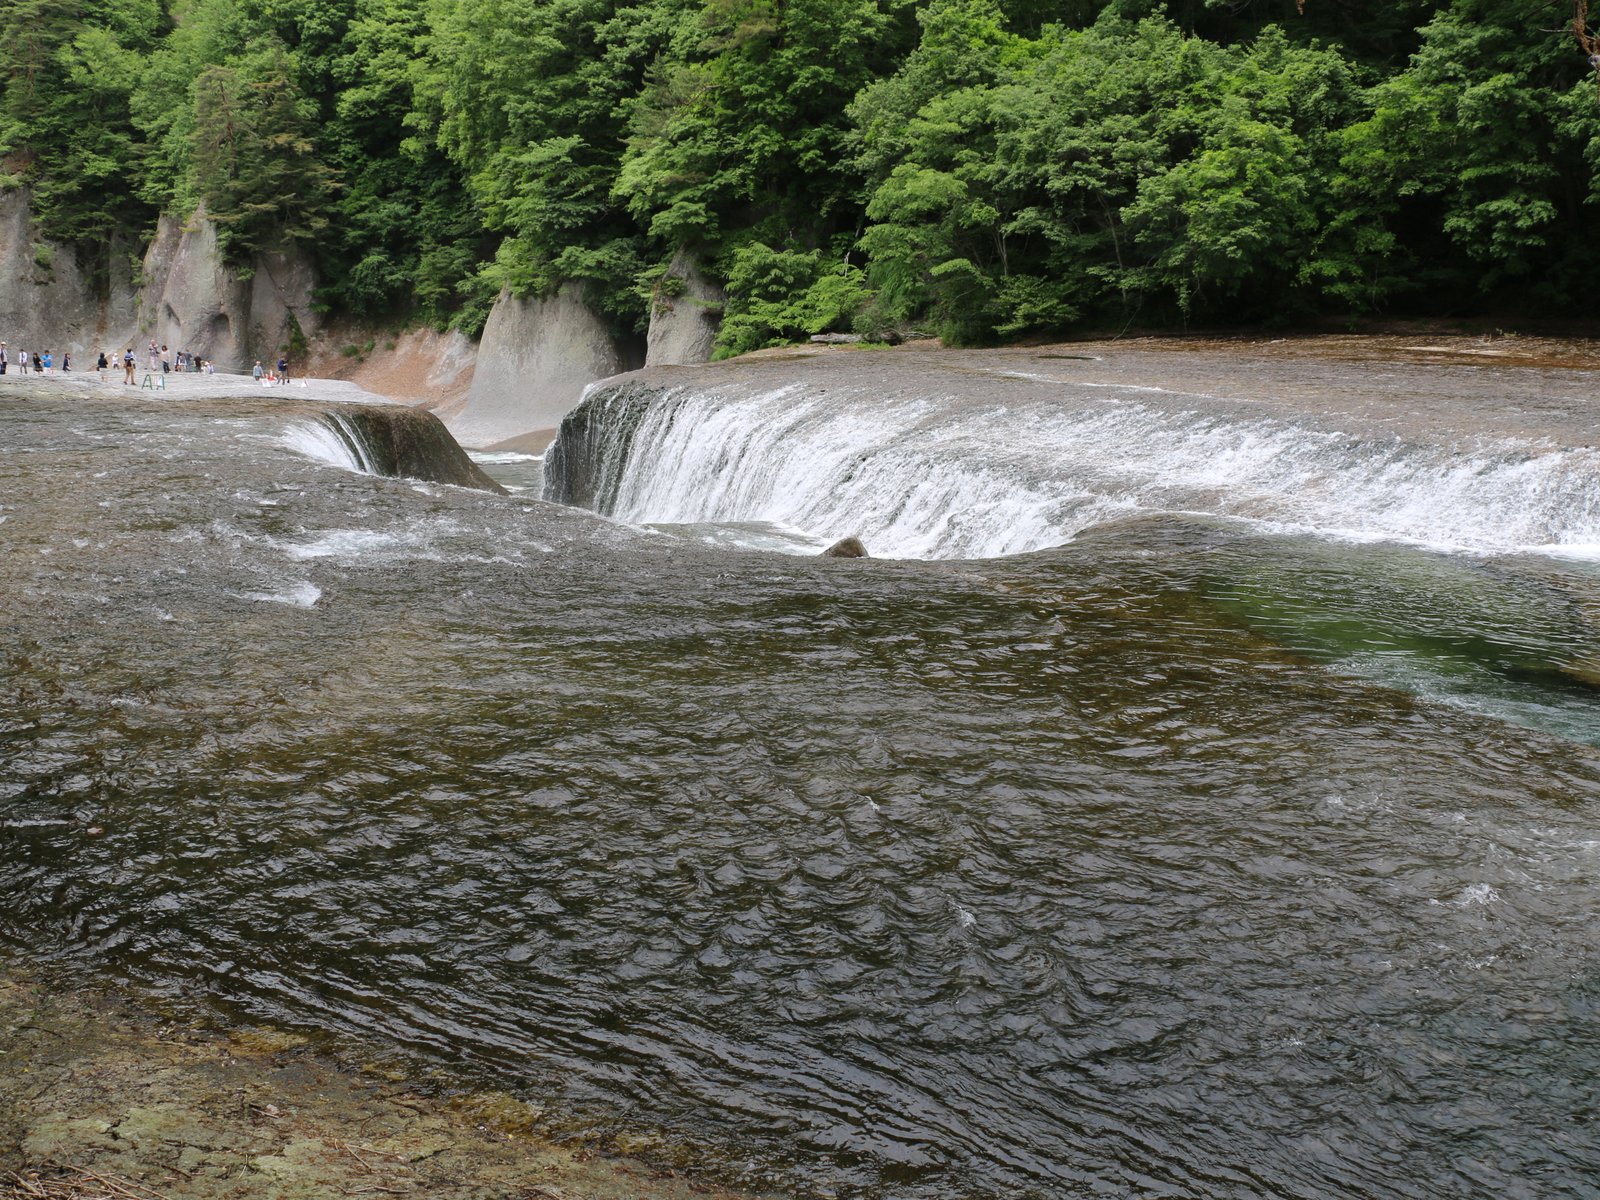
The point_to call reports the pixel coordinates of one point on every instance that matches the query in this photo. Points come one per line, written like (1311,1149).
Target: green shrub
(780,296)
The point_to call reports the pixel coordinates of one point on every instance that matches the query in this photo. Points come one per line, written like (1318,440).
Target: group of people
(182,361)
(261,375)
(42,362)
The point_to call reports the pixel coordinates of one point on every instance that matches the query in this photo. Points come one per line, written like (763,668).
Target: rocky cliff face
(685,316)
(531,367)
(56,298)
(49,296)
(535,359)
(193,301)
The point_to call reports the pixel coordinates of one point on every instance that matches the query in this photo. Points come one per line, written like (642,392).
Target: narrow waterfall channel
(1230,834)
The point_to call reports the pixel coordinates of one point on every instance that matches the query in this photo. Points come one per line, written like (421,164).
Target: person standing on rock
(66,360)
(101,366)
(256,372)
(40,365)
(3,358)
(166,360)
(283,371)
(127,367)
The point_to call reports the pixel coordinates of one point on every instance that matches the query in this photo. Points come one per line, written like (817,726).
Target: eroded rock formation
(194,301)
(407,442)
(535,359)
(685,316)
(50,297)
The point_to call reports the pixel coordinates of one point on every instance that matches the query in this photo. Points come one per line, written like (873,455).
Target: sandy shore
(100,1099)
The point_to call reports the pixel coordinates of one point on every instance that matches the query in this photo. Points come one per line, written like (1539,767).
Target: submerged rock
(849,547)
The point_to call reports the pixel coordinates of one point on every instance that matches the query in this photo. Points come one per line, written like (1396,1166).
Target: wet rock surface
(100,1099)
(408,443)
(849,547)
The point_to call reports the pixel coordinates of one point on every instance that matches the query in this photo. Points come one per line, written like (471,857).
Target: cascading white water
(332,440)
(937,477)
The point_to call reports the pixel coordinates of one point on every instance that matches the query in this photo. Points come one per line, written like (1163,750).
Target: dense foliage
(977,168)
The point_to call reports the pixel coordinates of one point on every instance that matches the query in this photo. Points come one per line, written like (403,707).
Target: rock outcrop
(534,361)
(849,547)
(407,443)
(194,301)
(49,296)
(685,316)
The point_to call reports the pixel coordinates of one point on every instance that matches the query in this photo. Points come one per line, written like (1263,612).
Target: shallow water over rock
(1184,859)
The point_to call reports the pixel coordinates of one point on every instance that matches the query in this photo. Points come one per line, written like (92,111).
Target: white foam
(1477,893)
(348,543)
(301,595)
(933,478)
(502,457)
(1577,551)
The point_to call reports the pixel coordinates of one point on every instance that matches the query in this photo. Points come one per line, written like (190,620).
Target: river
(1183,814)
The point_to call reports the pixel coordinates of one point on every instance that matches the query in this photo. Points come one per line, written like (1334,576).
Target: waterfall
(331,439)
(939,476)
(392,440)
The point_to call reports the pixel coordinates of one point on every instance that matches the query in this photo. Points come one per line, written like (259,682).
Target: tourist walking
(66,360)
(101,366)
(127,366)
(38,364)
(2,358)
(283,371)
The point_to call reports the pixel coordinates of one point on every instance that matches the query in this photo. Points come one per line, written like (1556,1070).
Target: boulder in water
(849,547)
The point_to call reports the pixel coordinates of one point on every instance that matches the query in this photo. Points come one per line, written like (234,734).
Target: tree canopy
(982,169)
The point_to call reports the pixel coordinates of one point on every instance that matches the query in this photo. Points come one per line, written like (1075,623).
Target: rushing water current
(1194,858)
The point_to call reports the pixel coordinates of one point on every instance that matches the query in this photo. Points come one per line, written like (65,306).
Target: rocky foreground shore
(99,1099)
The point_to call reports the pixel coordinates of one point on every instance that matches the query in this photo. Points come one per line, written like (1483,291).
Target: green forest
(976,169)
